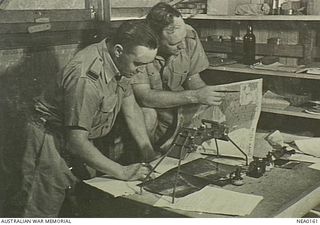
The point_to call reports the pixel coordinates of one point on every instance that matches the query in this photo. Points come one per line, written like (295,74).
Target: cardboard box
(224,7)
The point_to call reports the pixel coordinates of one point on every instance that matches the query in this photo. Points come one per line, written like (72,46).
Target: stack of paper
(275,101)
(277,67)
(310,70)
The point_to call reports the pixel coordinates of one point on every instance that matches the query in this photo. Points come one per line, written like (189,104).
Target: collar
(158,57)
(172,57)
(109,66)
(162,60)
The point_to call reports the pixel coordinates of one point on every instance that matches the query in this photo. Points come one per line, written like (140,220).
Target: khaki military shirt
(87,94)
(173,73)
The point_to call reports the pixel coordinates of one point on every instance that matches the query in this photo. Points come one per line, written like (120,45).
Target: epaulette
(191,33)
(95,69)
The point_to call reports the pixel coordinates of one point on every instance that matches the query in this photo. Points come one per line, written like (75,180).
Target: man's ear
(118,50)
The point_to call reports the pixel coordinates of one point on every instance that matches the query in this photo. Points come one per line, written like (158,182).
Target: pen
(150,167)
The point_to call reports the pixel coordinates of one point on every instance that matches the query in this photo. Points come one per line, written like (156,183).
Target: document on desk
(315,166)
(114,187)
(304,158)
(310,146)
(214,200)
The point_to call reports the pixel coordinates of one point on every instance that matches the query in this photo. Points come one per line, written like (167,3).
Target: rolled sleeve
(125,84)
(81,102)
(198,58)
(141,77)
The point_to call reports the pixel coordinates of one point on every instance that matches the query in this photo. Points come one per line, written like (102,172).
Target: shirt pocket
(179,72)
(108,104)
(104,115)
(154,78)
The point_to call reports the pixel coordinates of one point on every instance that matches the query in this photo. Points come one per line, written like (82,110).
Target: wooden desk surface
(287,193)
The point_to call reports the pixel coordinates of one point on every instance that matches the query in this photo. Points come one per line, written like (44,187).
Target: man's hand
(208,95)
(137,171)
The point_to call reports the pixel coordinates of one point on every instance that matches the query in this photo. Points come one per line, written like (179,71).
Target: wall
(290,33)
(263,30)
(45,4)
(29,61)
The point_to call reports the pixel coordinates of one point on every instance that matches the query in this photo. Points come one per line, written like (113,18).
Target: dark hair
(161,15)
(135,33)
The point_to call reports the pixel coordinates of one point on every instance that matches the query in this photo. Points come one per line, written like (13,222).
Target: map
(239,111)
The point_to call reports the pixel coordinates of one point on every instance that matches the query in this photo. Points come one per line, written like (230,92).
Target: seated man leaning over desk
(82,106)
(172,79)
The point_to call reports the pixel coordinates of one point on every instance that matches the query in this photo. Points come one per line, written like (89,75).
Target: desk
(287,193)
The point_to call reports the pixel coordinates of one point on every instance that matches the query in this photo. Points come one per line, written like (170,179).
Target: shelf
(125,18)
(259,18)
(235,18)
(291,111)
(114,19)
(240,68)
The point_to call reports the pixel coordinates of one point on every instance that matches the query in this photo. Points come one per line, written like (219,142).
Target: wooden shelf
(127,18)
(291,111)
(240,68)
(235,18)
(124,18)
(259,18)
(236,48)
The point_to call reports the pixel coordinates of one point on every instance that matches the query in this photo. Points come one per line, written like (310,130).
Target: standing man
(173,79)
(81,106)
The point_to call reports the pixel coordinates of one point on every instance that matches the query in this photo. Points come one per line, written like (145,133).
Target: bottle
(275,4)
(249,46)
(280,2)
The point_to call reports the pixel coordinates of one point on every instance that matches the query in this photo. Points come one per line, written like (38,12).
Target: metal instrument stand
(216,131)
(165,155)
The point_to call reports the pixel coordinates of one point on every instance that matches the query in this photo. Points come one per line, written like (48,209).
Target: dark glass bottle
(249,46)
(275,7)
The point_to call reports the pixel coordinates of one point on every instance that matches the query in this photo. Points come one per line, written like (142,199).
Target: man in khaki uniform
(173,79)
(81,106)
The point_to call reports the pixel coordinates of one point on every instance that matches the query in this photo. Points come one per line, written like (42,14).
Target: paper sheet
(315,166)
(304,158)
(214,200)
(274,100)
(114,187)
(310,146)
